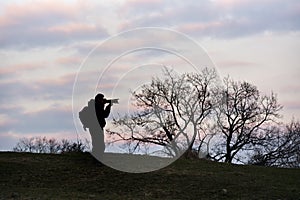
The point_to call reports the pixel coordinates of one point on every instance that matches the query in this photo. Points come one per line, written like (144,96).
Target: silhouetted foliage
(280,147)
(44,145)
(241,113)
(170,111)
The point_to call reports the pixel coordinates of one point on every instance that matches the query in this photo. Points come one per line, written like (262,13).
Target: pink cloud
(193,27)
(69,60)
(57,135)
(6,120)
(53,108)
(67,79)
(17,68)
(234,63)
(231,3)
(134,3)
(292,104)
(290,88)
(72,28)
(16,13)
(46,22)
(140,7)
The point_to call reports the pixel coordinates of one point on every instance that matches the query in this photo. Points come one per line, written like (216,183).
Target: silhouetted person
(102,112)
(93,117)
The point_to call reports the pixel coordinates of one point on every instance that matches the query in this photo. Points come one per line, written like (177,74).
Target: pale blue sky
(43,43)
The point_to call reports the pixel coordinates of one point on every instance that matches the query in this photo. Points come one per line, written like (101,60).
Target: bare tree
(41,145)
(280,147)
(53,145)
(241,112)
(169,112)
(25,145)
(44,145)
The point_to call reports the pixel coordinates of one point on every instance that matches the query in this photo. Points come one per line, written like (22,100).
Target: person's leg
(98,144)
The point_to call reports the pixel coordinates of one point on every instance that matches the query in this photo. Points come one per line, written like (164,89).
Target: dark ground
(77,176)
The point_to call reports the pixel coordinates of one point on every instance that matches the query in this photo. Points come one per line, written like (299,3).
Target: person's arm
(107,110)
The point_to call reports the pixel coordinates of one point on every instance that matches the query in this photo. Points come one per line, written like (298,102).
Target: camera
(116,101)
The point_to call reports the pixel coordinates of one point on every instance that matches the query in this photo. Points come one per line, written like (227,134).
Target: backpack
(87,115)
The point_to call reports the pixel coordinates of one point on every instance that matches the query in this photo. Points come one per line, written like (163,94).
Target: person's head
(99,98)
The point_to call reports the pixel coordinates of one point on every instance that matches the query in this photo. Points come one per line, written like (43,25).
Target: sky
(44,44)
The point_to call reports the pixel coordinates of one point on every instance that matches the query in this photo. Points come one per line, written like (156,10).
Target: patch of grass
(78,176)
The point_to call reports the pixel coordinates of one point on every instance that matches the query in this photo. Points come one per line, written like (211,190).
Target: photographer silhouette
(102,112)
(93,117)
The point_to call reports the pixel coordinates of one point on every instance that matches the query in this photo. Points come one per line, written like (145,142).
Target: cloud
(33,24)
(231,3)
(59,88)
(235,64)
(46,23)
(54,118)
(17,68)
(6,121)
(221,19)
(8,141)
(69,60)
(130,7)
(44,89)
(14,90)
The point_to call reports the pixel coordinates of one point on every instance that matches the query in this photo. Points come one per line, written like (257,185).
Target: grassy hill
(77,176)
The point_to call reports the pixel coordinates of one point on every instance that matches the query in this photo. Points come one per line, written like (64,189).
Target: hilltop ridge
(77,175)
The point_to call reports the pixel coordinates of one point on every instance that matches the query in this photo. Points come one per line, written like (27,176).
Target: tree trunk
(228,157)
(189,152)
